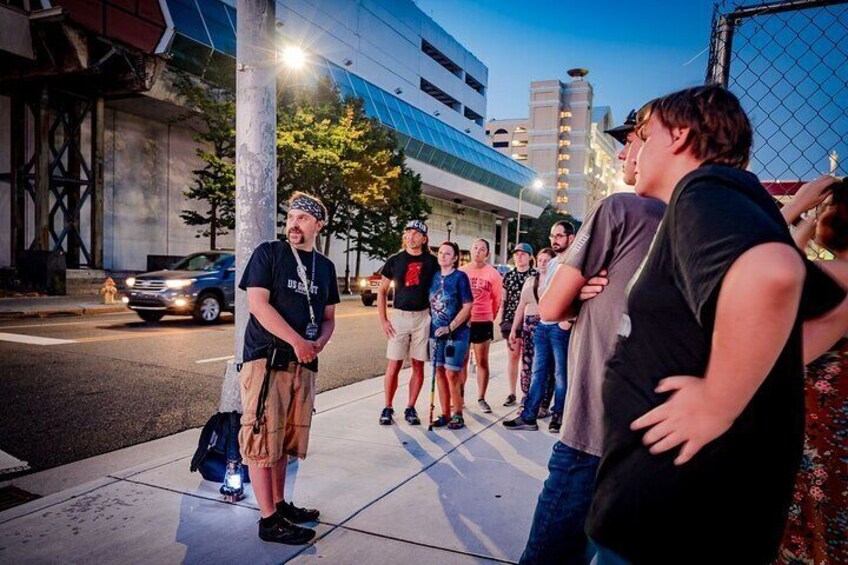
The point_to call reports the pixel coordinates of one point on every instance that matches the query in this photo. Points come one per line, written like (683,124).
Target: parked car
(201,285)
(369,286)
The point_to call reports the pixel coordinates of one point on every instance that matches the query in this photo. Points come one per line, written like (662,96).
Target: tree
(215,183)
(329,148)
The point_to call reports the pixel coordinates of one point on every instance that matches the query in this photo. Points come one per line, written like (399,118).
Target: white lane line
(213,359)
(10,464)
(34,340)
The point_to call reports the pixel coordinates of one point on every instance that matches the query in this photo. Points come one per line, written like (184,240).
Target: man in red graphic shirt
(411,271)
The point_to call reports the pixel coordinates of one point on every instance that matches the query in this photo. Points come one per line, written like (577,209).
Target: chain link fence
(787,61)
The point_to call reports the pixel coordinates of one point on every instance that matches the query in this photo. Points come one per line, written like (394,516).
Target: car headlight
(130,282)
(178,283)
(363,283)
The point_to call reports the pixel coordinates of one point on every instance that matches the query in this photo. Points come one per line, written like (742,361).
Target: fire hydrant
(109,291)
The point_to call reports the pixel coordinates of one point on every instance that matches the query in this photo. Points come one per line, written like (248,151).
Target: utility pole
(256,158)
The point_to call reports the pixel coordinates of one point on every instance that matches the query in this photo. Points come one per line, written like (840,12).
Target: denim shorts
(450,362)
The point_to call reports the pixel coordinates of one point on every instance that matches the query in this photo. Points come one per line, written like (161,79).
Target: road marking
(128,335)
(34,340)
(213,359)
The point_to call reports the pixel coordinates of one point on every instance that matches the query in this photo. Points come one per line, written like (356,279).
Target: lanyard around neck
(301,273)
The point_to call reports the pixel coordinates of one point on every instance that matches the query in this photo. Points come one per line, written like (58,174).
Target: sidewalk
(387,494)
(46,306)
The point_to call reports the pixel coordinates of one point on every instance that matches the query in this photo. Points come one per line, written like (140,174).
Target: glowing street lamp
(535,185)
(293,57)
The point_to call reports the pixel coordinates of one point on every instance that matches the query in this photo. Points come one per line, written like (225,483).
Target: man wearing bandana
(295,326)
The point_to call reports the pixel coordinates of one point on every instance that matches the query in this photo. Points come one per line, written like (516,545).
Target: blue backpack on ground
(218,443)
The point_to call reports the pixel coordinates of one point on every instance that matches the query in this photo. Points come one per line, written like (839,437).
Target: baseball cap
(525,247)
(620,132)
(417,225)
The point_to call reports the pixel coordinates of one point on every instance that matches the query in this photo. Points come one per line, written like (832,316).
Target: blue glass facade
(205,45)
(430,140)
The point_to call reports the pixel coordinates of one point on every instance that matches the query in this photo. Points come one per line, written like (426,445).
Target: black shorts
(482,332)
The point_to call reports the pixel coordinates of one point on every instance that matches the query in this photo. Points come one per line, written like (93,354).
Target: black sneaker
(519,424)
(277,529)
(295,514)
(411,416)
(386,416)
(556,423)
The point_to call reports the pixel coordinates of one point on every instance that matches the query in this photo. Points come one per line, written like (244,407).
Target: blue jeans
(558,532)
(551,347)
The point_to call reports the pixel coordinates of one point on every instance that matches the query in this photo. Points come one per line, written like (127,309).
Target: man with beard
(551,349)
(292,293)
(411,270)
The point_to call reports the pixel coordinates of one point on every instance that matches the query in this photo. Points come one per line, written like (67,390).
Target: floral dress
(817,531)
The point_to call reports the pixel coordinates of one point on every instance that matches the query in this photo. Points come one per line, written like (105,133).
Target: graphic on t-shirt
(480,286)
(413,274)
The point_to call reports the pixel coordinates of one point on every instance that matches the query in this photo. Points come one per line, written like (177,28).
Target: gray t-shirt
(616,236)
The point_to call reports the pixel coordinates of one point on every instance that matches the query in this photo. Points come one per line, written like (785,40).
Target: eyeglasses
(557,236)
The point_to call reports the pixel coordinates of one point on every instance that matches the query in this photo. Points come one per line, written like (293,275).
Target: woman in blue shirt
(450,308)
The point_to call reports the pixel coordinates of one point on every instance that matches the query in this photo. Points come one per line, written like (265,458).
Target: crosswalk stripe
(34,340)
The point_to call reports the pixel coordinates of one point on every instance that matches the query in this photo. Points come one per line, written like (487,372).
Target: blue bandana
(308,205)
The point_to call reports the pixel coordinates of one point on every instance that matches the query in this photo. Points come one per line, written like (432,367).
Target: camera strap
(301,273)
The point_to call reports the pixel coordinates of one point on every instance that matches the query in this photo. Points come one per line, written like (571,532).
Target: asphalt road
(111,381)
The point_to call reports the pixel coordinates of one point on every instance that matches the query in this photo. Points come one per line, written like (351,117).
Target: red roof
(782,187)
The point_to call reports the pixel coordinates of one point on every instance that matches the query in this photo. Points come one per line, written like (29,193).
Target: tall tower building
(562,143)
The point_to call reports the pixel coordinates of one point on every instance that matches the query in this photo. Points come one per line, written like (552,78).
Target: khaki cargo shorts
(288,413)
(412,336)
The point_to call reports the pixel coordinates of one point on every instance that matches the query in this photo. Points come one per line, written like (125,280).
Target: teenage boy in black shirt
(411,270)
(283,317)
(703,397)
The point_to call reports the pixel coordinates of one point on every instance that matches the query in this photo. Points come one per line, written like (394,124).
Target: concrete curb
(62,311)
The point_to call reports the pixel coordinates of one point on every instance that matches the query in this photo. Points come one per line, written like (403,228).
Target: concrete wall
(147,166)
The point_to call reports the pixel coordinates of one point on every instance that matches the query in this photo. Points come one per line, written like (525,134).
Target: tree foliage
(215,183)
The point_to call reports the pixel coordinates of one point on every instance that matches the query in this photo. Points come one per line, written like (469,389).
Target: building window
(519,129)
(563,157)
(519,157)
(565,114)
(473,116)
(475,84)
(564,143)
(562,185)
(487,132)
(500,131)
(440,58)
(519,143)
(440,95)
(562,199)
(564,129)
(500,144)
(562,171)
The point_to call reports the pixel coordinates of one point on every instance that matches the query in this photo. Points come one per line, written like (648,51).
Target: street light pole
(256,159)
(518,222)
(346,289)
(449,226)
(536,185)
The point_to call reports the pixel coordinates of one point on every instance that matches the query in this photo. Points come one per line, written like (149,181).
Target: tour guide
(288,328)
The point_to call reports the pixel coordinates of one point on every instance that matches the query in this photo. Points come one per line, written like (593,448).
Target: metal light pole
(256,159)
(346,289)
(536,185)
(449,226)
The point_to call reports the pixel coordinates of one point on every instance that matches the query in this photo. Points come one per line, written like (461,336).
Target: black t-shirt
(727,504)
(273,266)
(412,275)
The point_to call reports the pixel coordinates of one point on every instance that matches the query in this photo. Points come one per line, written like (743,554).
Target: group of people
(672,331)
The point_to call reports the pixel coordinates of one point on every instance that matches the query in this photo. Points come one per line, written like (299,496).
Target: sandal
(456,423)
(440,422)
